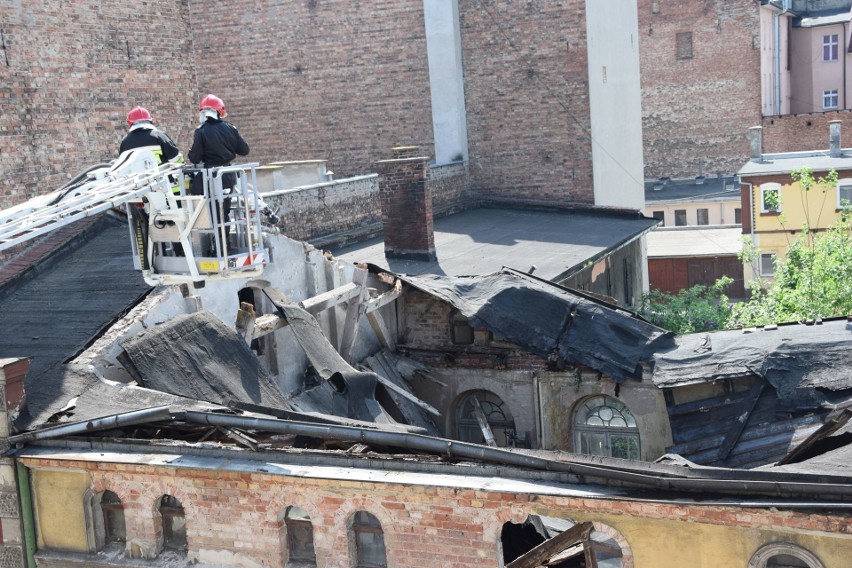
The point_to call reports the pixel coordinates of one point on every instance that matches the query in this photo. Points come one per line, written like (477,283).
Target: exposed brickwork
(527,99)
(423,525)
(696,111)
(70,71)
(340,81)
(406,203)
(801,132)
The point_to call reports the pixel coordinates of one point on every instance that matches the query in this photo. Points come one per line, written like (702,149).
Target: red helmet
(214,102)
(138,114)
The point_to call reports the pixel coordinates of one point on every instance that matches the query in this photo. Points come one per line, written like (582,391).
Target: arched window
(604,426)
(174,523)
(300,538)
(482,405)
(784,555)
(369,541)
(105,520)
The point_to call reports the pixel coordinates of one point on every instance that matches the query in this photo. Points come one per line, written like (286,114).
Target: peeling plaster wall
(58,497)
(430,520)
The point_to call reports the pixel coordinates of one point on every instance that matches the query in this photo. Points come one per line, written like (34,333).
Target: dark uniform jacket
(216,143)
(145,136)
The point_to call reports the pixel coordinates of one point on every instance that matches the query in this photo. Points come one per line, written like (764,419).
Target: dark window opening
(113,512)
(174,523)
(661,215)
(369,541)
(738,216)
(683,45)
(300,537)
(703,217)
(680,217)
(461,332)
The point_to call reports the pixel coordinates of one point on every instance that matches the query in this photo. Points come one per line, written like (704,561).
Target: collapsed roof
(809,366)
(548,319)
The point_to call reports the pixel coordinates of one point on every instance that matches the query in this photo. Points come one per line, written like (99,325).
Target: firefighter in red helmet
(142,132)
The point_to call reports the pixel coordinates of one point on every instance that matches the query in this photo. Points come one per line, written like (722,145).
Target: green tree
(813,281)
(700,308)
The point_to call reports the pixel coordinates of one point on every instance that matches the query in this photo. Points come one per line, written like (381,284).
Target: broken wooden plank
(831,425)
(483,422)
(239,437)
(379,302)
(268,323)
(749,402)
(245,321)
(353,312)
(377,322)
(329,299)
(578,534)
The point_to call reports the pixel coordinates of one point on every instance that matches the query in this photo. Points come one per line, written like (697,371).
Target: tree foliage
(700,308)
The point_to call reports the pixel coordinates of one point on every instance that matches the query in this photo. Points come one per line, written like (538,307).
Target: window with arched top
(300,538)
(604,426)
(174,523)
(104,520)
(478,408)
(369,541)
(784,555)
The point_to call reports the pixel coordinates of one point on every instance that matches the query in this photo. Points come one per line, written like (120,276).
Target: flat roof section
(482,241)
(694,241)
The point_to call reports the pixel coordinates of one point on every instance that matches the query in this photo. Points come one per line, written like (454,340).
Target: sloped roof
(546,319)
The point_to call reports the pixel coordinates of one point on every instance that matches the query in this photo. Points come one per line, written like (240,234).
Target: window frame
(172,540)
(660,216)
(459,326)
(767,188)
(298,555)
(583,410)
(110,510)
(846,184)
(764,256)
(830,47)
(698,215)
(359,528)
(738,216)
(830,99)
(681,214)
(761,557)
(505,428)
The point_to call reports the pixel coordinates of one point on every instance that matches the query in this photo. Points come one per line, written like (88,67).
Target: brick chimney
(834,138)
(406,204)
(755,137)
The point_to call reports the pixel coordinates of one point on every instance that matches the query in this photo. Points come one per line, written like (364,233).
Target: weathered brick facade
(70,72)
(235,518)
(698,103)
(803,132)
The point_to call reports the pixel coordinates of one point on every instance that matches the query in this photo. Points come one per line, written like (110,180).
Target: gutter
(456,449)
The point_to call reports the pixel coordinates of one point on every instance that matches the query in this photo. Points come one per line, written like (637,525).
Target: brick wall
(234,518)
(527,98)
(696,110)
(801,132)
(334,80)
(70,72)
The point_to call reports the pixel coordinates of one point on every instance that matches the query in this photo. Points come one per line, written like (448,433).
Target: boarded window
(369,541)
(683,45)
(680,217)
(703,217)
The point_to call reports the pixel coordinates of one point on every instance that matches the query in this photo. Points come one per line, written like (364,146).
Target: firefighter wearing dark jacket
(143,133)
(216,142)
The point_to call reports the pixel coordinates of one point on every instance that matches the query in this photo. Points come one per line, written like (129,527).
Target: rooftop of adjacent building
(482,241)
(719,187)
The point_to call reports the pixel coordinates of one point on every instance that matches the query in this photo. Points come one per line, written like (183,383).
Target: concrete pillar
(406,202)
(834,138)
